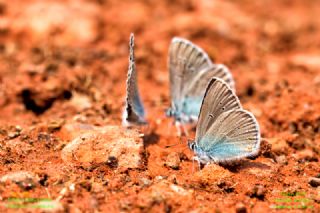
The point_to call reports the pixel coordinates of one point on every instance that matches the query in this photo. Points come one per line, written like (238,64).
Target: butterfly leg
(170,124)
(185,130)
(179,127)
(192,165)
(195,158)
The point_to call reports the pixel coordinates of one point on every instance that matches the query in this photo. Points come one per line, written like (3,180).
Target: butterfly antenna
(172,145)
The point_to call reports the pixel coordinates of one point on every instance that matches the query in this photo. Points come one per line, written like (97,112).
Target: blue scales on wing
(134,111)
(225,132)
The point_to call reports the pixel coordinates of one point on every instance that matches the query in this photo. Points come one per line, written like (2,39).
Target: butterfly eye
(223,108)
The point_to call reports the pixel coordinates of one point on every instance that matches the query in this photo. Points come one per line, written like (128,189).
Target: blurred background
(58,58)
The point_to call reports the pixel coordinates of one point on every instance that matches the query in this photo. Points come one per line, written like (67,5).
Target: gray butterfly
(134,112)
(190,71)
(225,132)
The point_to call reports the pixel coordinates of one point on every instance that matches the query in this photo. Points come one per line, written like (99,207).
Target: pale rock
(212,176)
(278,146)
(311,61)
(305,155)
(24,179)
(240,208)
(281,160)
(264,168)
(80,102)
(162,191)
(98,145)
(18,176)
(173,160)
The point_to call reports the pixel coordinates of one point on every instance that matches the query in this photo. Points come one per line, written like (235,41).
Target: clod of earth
(98,146)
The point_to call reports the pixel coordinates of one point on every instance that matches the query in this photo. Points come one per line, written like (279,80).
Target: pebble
(305,155)
(240,208)
(211,176)
(314,182)
(257,191)
(145,181)
(278,146)
(72,130)
(163,191)
(282,159)
(265,149)
(24,179)
(112,145)
(12,135)
(307,60)
(80,102)
(16,130)
(173,160)
(55,125)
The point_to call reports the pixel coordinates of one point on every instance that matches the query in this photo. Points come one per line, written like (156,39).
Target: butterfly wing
(218,98)
(134,111)
(234,135)
(194,92)
(185,61)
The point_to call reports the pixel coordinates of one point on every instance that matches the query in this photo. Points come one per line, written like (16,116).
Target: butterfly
(133,113)
(225,132)
(190,70)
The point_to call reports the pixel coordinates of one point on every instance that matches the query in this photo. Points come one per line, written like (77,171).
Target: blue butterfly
(190,70)
(225,132)
(134,112)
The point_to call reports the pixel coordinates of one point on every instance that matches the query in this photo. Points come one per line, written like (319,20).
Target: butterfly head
(171,113)
(191,145)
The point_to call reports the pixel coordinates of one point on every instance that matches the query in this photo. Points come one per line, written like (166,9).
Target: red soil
(62,61)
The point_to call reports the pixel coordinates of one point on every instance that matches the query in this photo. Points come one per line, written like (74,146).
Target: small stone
(305,155)
(314,182)
(173,160)
(14,132)
(279,146)
(103,145)
(257,191)
(241,208)
(159,178)
(80,102)
(25,180)
(74,129)
(264,172)
(212,176)
(282,160)
(311,61)
(265,149)
(162,191)
(179,190)
(55,125)
(145,181)
(173,179)
(12,135)
(17,176)
(112,162)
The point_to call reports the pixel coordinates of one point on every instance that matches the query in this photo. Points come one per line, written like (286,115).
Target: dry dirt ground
(63,66)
